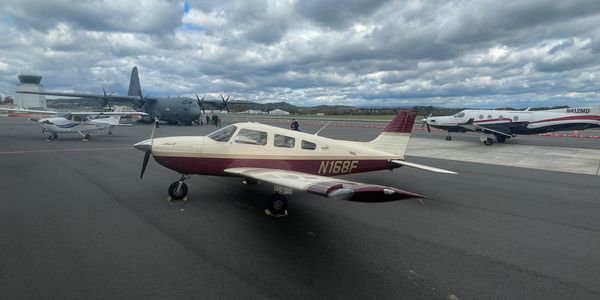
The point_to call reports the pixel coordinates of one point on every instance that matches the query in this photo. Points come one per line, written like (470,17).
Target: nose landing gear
(178,189)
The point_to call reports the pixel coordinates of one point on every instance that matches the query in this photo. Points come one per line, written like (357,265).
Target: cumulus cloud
(357,52)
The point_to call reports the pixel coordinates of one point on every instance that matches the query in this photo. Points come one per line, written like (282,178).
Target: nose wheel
(178,189)
(53,136)
(448,138)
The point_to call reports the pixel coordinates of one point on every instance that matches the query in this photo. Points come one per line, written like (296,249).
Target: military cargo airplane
(290,160)
(506,124)
(80,122)
(170,109)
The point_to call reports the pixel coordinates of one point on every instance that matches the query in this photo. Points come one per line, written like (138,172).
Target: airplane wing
(331,187)
(470,125)
(29,111)
(108,113)
(84,95)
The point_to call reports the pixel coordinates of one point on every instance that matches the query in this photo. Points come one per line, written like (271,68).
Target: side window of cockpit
(284,141)
(223,134)
(252,137)
(460,115)
(308,145)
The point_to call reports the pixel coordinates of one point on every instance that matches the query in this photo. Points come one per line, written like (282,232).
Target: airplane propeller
(143,99)
(200,102)
(147,146)
(106,98)
(426,123)
(225,101)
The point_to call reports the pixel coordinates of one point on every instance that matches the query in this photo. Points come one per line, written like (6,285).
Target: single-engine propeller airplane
(290,160)
(506,124)
(81,122)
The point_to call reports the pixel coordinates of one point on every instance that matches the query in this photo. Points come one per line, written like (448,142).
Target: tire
(277,204)
(500,139)
(488,142)
(87,137)
(178,193)
(448,138)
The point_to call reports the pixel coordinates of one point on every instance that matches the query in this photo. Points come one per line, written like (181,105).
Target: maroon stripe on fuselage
(215,166)
(403,122)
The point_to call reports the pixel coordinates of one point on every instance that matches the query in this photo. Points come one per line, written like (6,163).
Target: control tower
(29,83)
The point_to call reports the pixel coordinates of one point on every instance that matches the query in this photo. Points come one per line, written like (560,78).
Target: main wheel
(448,138)
(501,139)
(488,142)
(87,137)
(177,191)
(277,204)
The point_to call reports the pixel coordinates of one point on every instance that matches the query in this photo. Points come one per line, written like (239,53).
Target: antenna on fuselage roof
(317,133)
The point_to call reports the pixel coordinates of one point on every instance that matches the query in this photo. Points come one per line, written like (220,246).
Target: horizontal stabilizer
(422,167)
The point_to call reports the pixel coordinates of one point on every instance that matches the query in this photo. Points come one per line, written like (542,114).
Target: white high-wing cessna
(81,122)
(290,160)
(505,124)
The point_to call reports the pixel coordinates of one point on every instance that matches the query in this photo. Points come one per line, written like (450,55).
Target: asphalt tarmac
(77,222)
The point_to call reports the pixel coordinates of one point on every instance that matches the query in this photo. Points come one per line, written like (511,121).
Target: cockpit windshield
(459,115)
(223,134)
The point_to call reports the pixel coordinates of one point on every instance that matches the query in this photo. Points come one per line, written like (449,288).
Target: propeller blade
(225,102)
(200,102)
(145,163)
(143,145)
(428,128)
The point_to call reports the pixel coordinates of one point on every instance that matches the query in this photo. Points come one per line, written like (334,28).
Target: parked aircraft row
(506,124)
(81,122)
(170,109)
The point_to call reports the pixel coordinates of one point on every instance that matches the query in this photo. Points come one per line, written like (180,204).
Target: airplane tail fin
(134,83)
(394,138)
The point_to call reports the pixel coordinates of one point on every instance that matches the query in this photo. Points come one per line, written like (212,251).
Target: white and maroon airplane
(505,124)
(290,160)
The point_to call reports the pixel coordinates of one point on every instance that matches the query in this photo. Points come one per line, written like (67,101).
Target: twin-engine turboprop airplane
(505,124)
(290,160)
(81,122)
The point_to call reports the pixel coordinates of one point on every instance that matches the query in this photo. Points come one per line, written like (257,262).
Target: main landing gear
(178,189)
(448,137)
(277,202)
(86,136)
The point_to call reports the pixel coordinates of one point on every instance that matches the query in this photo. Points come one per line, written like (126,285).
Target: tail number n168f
(337,166)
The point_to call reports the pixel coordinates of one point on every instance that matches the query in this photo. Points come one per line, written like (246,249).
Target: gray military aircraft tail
(173,110)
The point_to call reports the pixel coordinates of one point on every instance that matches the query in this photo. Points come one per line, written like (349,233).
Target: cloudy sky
(455,53)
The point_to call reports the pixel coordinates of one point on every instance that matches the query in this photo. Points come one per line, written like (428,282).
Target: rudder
(394,138)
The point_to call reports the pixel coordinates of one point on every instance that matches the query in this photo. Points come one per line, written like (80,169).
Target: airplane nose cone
(144,145)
